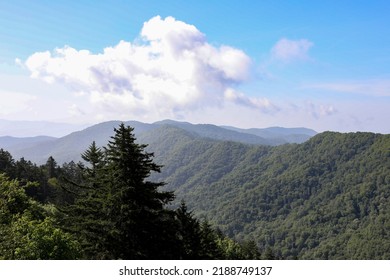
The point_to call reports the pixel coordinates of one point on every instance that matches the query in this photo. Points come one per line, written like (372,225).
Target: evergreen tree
(189,234)
(117,213)
(88,216)
(7,163)
(138,211)
(51,167)
(210,249)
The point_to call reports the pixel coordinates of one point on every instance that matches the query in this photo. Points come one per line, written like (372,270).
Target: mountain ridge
(326,198)
(69,147)
(37,128)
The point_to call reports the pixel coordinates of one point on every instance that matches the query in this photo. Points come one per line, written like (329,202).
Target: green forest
(104,208)
(188,197)
(328,198)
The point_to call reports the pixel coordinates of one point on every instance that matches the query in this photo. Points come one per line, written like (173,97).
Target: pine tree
(94,157)
(138,211)
(209,243)
(88,216)
(189,234)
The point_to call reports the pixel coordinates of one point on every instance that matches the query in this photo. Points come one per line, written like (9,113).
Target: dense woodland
(328,198)
(103,208)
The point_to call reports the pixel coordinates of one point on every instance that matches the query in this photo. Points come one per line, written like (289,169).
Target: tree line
(105,207)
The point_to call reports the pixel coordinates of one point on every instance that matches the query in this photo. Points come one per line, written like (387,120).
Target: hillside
(325,199)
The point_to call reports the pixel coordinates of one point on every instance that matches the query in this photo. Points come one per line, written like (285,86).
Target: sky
(324,65)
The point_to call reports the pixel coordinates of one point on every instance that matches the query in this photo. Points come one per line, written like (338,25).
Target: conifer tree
(209,243)
(189,234)
(88,216)
(138,211)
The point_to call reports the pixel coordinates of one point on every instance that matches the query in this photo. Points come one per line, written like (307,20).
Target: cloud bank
(169,70)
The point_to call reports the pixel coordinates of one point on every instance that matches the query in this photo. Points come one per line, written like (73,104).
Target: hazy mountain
(220,133)
(36,128)
(288,135)
(70,147)
(9,142)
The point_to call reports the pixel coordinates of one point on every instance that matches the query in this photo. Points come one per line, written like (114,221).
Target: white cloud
(375,87)
(286,50)
(320,110)
(262,104)
(172,69)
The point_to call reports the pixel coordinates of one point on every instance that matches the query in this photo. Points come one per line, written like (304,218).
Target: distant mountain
(70,147)
(36,128)
(9,142)
(275,134)
(220,133)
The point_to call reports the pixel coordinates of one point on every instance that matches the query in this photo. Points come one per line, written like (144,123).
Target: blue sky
(317,64)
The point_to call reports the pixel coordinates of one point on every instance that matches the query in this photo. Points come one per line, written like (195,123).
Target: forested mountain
(104,208)
(70,147)
(327,198)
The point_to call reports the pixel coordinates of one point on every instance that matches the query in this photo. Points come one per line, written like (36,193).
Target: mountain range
(37,128)
(69,147)
(325,198)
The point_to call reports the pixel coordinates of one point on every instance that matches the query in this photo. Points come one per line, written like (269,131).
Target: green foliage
(26,231)
(118,213)
(313,200)
(34,240)
(327,198)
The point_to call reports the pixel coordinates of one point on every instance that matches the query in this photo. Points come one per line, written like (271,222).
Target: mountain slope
(326,198)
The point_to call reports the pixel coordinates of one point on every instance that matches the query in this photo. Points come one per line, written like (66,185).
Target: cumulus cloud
(286,50)
(171,69)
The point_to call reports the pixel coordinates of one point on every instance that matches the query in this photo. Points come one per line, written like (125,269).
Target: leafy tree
(26,230)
